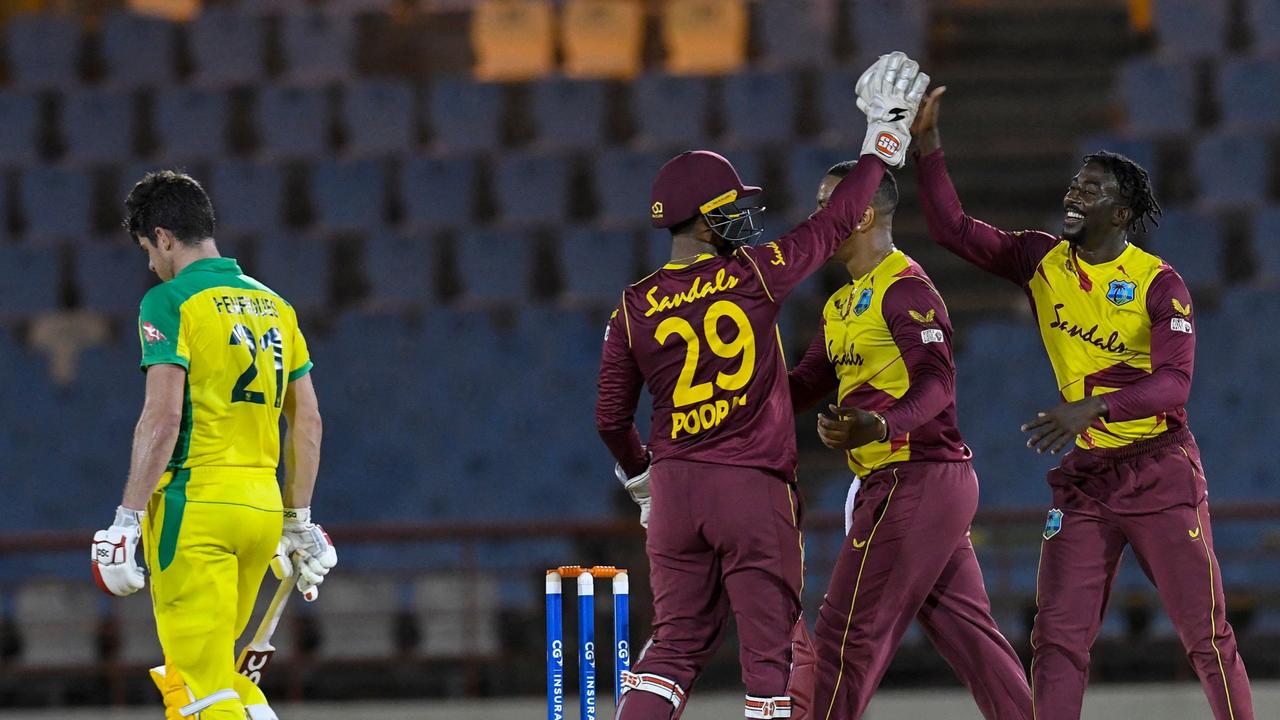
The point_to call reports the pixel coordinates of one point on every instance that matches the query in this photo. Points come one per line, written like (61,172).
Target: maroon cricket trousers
(908,556)
(1152,497)
(720,538)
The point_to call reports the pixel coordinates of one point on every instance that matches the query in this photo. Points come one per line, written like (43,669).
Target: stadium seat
(1139,150)
(1249,92)
(808,165)
(227,46)
(439,191)
(98,125)
(569,113)
(670,111)
(293,122)
(191,124)
(401,269)
(1193,243)
(55,202)
(355,619)
(1159,97)
(20,118)
(1231,169)
(759,107)
(532,188)
(296,267)
(881,26)
(623,180)
(1262,17)
(44,49)
(350,194)
(137,622)
(318,47)
(465,115)
(795,33)
(139,51)
(484,277)
(379,117)
(704,37)
(513,39)
(34,279)
(457,614)
(842,121)
(58,620)
(112,275)
(1191,28)
(597,265)
(1265,237)
(602,38)
(248,197)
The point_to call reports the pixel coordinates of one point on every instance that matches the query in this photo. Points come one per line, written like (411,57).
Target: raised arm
(921,328)
(814,378)
(1173,348)
(617,394)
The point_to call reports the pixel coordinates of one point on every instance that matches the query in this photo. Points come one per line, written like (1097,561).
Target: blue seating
(20,118)
(1265,237)
(882,26)
(808,165)
(569,113)
(1249,92)
(1159,96)
(671,111)
(439,191)
(33,279)
(1263,21)
(842,121)
(43,49)
(55,202)
(139,50)
(1231,169)
(350,194)
(759,107)
(294,266)
(191,124)
(112,275)
(795,33)
(1192,243)
(623,181)
(227,46)
(98,125)
(318,47)
(293,122)
(532,188)
(1139,150)
(496,265)
(1191,28)
(379,118)
(401,269)
(597,264)
(465,115)
(247,197)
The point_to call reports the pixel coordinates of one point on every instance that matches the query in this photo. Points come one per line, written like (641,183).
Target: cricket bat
(255,656)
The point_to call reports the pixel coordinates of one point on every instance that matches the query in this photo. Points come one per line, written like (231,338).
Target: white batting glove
(638,488)
(114,550)
(889,94)
(310,548)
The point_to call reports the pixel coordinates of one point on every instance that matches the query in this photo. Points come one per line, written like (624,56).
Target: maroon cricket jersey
(703,337)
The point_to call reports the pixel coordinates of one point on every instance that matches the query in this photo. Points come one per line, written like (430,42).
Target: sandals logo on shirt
(1121,292)
(152,334)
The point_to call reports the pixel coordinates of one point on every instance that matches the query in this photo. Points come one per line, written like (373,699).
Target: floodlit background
(454,194)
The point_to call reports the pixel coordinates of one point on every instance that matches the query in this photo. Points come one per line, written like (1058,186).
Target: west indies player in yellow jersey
(1119,327)
(885,346)
(223,358)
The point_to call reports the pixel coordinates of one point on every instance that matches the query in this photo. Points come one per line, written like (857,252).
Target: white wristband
(302,516)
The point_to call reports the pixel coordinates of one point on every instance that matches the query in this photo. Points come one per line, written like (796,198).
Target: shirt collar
(213,264)
(690,262)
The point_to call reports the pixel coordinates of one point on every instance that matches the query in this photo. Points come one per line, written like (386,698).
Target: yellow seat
(513,39)
(173,10)
(603,38)
(705,37)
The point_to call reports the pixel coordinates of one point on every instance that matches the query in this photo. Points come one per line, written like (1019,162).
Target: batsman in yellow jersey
(223,357)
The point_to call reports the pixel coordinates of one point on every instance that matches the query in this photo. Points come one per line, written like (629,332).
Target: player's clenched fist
(889,94)
(311,549)
(115,568)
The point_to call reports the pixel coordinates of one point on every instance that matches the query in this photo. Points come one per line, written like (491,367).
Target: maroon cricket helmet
(694,183)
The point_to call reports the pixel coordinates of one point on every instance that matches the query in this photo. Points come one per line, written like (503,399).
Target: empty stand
(55,202)
(43,49)
(293,121)
(297,267)
(1191,28)
(513,39)
(495,265)
(247,197)
(759,107)
(34,279)
(1249,92)
(704,37)
(795,33)
(602,38)
(1231,169)
(569,113)
(1158,96)
(191,123)
(1193,243)
(350,194)
(597,264)
(140,51)
(670,111)
(98,125)
(532,187)
(20,117)
(227,46)
(401,269)
(379,117)
(623,180)
(439,191)
(318,47)
(465,115)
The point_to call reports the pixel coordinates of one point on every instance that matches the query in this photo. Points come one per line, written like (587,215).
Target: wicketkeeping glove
(638,488)
(889,93)
(115,567)
(309,546)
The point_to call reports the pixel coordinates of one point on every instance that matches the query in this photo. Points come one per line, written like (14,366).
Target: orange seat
(603,38)
(173,10)
(705,37)
(513,39)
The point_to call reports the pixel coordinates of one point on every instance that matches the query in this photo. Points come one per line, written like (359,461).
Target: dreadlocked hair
(1135,187)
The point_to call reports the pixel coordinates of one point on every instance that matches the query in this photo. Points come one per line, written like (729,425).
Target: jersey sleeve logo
(931,336)
(924,319)
(1121,292)
(152,334)
(1180,308)
(777,254)
(1181,325)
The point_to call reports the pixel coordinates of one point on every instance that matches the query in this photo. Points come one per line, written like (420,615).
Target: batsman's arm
(1173,349)
(814,378)
(156,433)
(617,394)
(304,430)
(921,329)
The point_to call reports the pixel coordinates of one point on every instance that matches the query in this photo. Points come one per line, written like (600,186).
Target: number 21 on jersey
(271,340)
(689,391)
